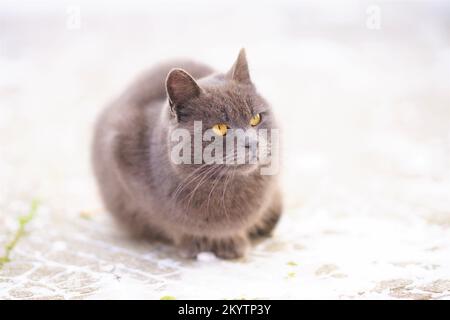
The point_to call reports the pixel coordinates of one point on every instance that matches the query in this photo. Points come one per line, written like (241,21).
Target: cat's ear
(181,87)
(239,71)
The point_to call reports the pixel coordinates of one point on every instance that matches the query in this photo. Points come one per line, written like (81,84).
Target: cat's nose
(251,139)
(251,143)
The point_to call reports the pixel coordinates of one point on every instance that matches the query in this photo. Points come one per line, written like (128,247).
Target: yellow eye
(220,129)
(255,120)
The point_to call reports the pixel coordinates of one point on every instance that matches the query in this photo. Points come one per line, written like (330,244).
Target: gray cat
(198,207)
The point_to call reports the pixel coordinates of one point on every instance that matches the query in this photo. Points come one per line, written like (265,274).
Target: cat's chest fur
(223,201)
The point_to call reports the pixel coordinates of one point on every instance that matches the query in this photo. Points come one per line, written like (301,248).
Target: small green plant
(291,275)
(23,221)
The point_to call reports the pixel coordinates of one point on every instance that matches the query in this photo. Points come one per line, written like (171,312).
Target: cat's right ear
(239,71)
(180,87)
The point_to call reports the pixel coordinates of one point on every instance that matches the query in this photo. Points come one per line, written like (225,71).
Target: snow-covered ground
(365,106)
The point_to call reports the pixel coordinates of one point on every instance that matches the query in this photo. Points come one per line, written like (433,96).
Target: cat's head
(219,112)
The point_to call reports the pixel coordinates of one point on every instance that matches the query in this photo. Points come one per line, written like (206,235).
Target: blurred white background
(362,89)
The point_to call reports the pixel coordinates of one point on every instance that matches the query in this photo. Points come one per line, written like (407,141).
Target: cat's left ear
(239,71)
(181,87)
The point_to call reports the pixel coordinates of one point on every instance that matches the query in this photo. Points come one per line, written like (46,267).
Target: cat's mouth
(233,163)
(241,164)
(245,168)
(227,170)
(223,170)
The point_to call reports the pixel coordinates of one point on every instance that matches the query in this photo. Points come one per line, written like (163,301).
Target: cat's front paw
(226,248)
(191,246)
(231,248)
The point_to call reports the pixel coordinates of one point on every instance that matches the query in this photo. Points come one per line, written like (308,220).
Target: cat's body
(196,207)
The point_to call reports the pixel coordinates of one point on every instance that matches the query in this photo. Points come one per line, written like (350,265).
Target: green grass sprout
(23,221)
